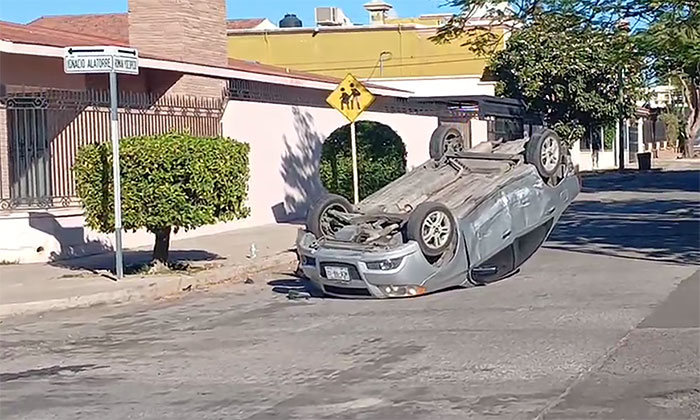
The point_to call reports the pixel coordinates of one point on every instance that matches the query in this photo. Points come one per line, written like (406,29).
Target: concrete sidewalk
(672,164)
(32,288)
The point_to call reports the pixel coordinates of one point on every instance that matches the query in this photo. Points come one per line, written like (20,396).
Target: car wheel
(433,227)
(545,151)
(443,139)
(320,222)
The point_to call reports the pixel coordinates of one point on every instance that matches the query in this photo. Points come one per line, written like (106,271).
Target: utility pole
(621,124)
(623,27)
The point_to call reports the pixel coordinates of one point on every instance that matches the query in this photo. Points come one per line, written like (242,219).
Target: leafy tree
(568,71)
(665,32)
(381,158)
(169,182)
(514,14)
(672,46)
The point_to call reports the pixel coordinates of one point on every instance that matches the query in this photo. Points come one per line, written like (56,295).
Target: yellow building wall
(338,52)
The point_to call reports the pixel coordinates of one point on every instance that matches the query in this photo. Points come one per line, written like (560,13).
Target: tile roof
(112,25)
(39,35)
(24,34)
(244,23)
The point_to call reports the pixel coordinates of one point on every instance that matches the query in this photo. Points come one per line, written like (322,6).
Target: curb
(148,288)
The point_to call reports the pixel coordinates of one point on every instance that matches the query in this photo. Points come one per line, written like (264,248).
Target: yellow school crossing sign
(351,98)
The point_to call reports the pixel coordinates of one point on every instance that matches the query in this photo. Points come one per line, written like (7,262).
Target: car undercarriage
(463,217)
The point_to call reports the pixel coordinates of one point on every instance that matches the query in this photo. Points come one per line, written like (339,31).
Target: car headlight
(385,265)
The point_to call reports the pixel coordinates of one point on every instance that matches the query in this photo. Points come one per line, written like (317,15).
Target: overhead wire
(390,65)
(298,63)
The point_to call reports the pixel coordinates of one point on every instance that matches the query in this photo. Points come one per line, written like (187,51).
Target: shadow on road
(650,182)
(105,261)
(646,226)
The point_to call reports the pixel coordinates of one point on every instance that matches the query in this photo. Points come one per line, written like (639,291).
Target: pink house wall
(285,144)
(35,71)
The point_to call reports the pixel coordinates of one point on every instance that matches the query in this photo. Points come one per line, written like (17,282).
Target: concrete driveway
(590,328)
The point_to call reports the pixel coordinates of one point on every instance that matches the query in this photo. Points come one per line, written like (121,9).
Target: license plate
(338,273)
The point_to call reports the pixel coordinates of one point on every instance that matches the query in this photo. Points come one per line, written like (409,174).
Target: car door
(517,211)
(497,267)
(492,252)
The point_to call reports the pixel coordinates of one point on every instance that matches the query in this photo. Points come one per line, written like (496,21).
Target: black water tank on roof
(290,21)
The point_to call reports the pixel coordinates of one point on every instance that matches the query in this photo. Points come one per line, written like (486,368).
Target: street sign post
(112,60)
(351,98)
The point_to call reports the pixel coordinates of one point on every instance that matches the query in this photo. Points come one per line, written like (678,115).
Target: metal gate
(633,142)
(29,150)
(45,130)
(648,133)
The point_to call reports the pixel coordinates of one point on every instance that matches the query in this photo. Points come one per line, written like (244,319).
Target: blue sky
(23,11)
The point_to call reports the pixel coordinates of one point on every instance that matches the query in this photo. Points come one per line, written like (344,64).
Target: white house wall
(440,86)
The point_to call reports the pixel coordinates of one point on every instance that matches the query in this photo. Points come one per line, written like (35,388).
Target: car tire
(545,151)
(316,219)
(423,225)
(443,138)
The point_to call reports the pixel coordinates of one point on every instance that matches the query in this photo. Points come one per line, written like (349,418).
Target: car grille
(354,274)
(347,291)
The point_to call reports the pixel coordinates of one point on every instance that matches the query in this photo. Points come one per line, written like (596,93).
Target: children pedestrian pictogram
(351,98)
(344,99)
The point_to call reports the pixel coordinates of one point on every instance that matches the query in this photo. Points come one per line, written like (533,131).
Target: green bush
(569,132)
(168,181)
(672,124)
(381,158)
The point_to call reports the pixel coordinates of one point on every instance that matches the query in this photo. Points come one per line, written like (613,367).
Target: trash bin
(644,161)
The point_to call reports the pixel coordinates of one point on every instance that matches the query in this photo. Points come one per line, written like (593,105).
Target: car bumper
(407,279)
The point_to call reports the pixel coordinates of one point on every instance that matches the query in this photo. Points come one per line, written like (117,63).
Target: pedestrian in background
(595,149)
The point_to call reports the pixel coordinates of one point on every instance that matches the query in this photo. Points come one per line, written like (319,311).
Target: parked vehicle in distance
(462,218)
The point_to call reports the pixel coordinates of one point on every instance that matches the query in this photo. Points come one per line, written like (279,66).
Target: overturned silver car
(463,218)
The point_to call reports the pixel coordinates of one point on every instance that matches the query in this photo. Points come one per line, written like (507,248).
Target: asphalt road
(599,324)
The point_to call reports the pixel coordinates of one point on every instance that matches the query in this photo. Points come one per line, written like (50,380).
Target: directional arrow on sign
(84,50)
(100,49)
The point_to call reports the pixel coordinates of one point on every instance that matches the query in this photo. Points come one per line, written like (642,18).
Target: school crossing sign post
(351,99)
(112,60)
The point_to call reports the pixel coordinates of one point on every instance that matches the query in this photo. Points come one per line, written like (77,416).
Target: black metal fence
(45,129)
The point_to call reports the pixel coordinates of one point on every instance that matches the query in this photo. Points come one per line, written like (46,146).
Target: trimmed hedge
(169,181)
